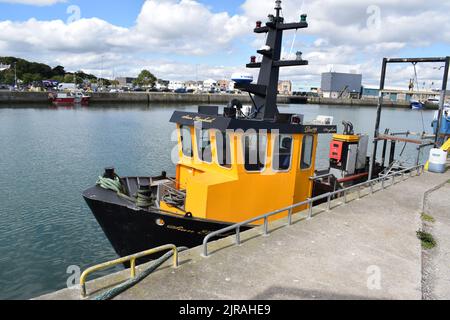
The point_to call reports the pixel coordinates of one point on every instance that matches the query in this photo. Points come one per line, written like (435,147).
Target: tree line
(34,72)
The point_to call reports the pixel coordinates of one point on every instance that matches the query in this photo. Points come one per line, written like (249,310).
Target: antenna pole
(378,121)
(278,7)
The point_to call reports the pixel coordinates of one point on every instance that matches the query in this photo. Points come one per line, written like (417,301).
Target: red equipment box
(336,149)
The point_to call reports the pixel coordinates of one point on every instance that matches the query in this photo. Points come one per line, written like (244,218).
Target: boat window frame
(228,139)
(201,158)
(303,152)
(182,137)
(276,142)
(266,154)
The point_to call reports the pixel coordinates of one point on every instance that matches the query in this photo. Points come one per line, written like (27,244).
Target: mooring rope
(114,292)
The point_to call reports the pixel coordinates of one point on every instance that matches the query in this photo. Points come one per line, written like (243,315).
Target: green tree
(58,71)
(68,78)
(145,79)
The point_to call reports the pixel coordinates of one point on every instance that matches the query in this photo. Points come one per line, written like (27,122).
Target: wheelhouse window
(307,152)
(283,153)
(223,144)
(255,151)
(204,145)
(186,141)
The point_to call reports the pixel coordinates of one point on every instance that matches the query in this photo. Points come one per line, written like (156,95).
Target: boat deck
(335,255)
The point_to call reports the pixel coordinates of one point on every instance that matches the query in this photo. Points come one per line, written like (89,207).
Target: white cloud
(339,37)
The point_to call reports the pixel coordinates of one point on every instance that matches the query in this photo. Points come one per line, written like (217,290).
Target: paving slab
(437,261)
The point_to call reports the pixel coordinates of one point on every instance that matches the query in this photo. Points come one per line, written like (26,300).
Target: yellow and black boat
(234,164)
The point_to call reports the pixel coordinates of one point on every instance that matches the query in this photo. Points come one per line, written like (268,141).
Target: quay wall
(7,97)
(37,98)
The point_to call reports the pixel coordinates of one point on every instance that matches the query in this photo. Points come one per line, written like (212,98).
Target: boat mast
(266,90)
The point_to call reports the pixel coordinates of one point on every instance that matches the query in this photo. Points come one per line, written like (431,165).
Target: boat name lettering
(329,130)
(199,119)
(311,130)
(181,229)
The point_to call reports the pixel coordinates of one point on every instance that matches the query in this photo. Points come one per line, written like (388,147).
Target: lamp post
(15,75)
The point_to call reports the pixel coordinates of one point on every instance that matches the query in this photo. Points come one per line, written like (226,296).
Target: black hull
(131,230)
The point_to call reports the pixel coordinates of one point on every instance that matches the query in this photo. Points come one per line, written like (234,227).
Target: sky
(200,39)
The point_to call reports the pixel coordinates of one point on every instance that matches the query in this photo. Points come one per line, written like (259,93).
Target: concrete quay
(18,99)
(41,98)
(365,249)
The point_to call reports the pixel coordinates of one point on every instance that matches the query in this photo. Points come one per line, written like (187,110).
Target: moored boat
(69,98)
(235,164)
(417,105)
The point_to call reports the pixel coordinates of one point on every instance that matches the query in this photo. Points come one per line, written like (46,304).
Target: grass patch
(428,218)
(427,239)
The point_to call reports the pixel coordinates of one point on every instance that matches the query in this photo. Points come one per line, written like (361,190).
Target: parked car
(180,90)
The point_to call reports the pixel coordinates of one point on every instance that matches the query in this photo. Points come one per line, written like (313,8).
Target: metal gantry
(387,61)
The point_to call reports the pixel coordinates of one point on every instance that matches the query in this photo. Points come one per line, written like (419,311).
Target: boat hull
(131,230)
(417,106)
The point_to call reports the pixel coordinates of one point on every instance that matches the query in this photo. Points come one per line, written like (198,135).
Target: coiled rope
(142,200)
(110,184)
(114,292)
(174,199)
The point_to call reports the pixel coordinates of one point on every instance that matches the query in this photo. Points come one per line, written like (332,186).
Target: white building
(174,85)
(194,85)
(211,85)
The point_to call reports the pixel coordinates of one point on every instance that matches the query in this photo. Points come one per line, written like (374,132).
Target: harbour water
(49,156)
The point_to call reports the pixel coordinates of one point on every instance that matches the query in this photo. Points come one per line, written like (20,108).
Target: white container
(438,160)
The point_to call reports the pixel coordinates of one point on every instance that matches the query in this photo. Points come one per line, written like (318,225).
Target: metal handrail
(329,196)
(132,259)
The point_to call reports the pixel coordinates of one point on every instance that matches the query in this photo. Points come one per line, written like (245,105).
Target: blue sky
(122,13)
(185,39)
(118,12)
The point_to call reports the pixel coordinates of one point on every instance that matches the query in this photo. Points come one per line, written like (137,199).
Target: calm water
(48,157)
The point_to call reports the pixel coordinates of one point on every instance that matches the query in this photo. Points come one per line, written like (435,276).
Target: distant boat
(69,98)
(417,105)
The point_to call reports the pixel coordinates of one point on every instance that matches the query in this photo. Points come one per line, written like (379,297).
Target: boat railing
(394,177)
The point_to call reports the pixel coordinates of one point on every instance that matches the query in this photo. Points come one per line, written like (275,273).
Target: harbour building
(285,87)
(341,85)
(125,81)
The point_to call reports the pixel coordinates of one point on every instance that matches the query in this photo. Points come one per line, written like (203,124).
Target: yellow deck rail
(132,259)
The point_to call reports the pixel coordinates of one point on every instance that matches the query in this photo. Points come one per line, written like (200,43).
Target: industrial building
(395,95)
(341,85)
(125,81)
(285,87)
